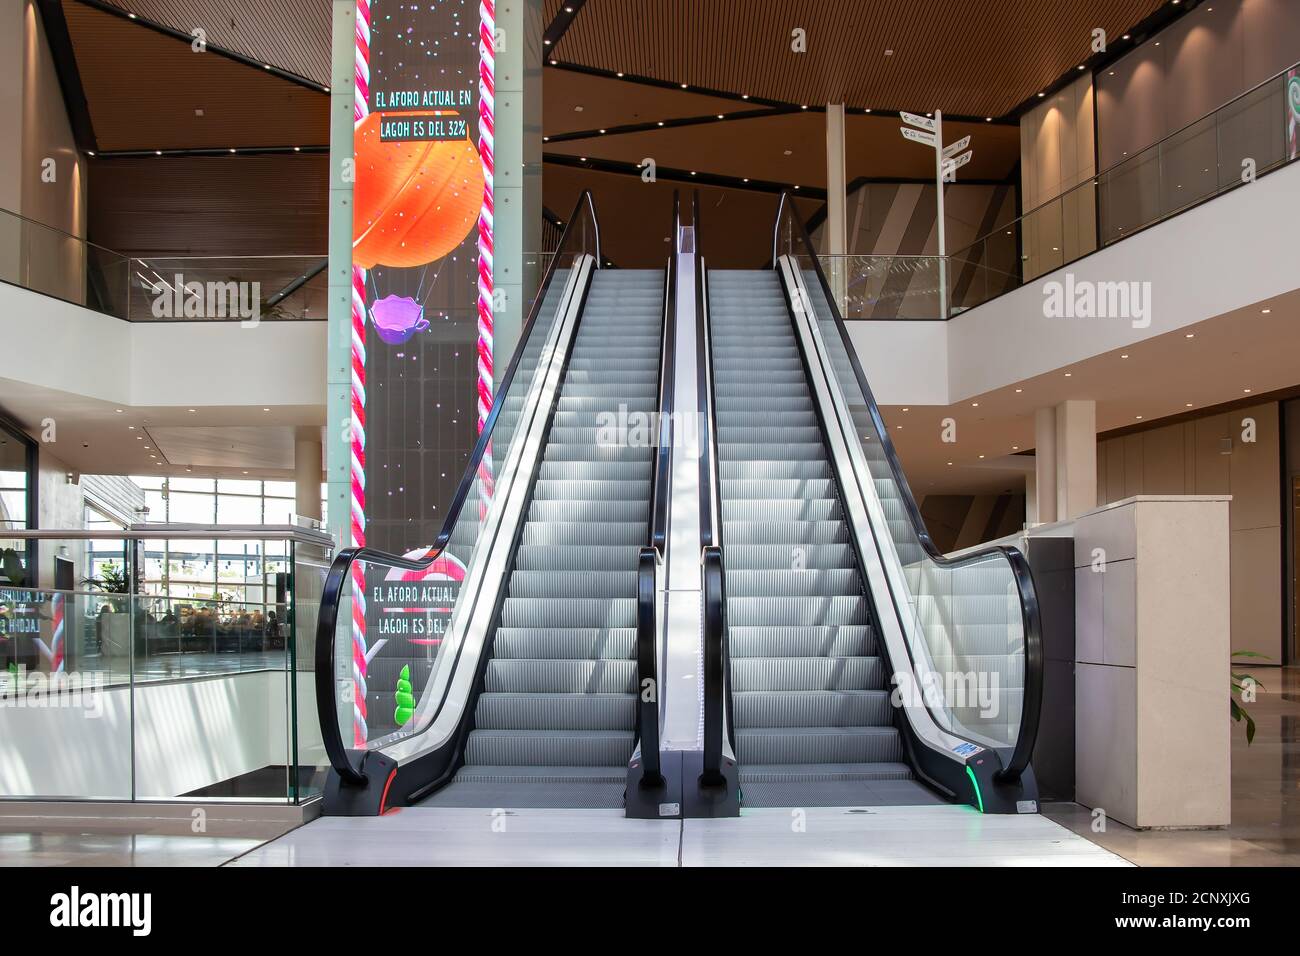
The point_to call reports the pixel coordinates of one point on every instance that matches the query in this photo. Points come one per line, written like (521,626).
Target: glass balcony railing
(115,684)
(1231,147)
(192,288)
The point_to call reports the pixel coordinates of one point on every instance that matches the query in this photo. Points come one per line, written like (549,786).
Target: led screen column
(421,323)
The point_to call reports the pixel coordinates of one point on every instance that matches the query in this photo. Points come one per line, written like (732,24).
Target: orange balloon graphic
(412,202)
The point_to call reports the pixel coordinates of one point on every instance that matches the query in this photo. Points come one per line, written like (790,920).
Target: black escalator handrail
(340,568)
(647,669)
(718,719)
(1031,619)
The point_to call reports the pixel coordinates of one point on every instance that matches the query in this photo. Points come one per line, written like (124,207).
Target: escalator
(813,722)
(842,660)
(555,723)
(527,698)
(862,667)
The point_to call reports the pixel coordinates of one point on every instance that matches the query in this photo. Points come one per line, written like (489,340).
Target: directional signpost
(947,160)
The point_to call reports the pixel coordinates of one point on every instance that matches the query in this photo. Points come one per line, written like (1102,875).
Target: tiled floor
(881,836)
(71,848)
(1265,831)
(1265,828)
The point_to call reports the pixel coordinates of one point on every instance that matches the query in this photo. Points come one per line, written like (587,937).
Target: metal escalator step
(551,534)
(803,745)
(569,612)
(564,643)
(806,583)
(778,488)
(812,708)
(758,557)
(786,532)
(547,676)
(824,609)
(595,557)
(807,673)
(780,509)
(774,470)
(498,711)
(553,584)
(596,489)
(571,748)
(589,511)
(843,640)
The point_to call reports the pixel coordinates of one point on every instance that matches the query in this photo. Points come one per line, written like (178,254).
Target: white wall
(56,345)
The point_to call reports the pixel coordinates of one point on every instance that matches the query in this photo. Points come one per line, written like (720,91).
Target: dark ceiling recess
(148,89)
(968,59)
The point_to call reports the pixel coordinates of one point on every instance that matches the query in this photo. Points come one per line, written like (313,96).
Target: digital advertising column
(421,325)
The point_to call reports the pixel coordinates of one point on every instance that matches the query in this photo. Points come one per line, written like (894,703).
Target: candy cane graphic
(486,134)
(56,642)
(360,110)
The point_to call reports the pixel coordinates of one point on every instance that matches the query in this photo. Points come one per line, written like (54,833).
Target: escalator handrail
(1031,620)
(647,668)
(340,568)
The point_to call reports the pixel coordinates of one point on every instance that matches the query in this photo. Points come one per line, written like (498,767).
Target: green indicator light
(976,784)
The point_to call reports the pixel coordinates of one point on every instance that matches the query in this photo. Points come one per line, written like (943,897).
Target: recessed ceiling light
(1123,356)
(683,86)
(90,152)
(1139,417)
(907,409)
(898,426)
(974,404)
(245,472)
(1041,95)
(192,410)
(118,410)
(745,180)
(744,96)
(988,119)
(1126,37)
(618,74)
(1081,66)
(1015,448)
(138,437)
(1190,335)
(1189,404)
(981,456)
(788,152)
(157,152)
(1019,390)
(547,42)
(1246,390)
(554,62)
(950,463)
(1266,311)
(1068,374)
(266,409)
(661,122)
(602,132)
(692,172)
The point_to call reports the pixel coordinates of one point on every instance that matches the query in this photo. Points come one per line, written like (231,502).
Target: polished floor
(1265,828)
(818,836)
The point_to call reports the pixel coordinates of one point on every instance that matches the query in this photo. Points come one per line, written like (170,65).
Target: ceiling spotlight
(1041,95)
(619,75)
(118,410)
(683,86)
(988,119)
(90,152)
(1190,335)
(1266,311)
(1019,390)
(554,62)
(547,42)
(974,404)
(719,116)
(1246,391)
(744,96)
(1126,37)
(1139,418)
(157,152)
(1123,356)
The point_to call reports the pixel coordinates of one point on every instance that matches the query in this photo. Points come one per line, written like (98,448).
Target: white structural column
(1076,458)
(308,473)
(835,235)
(1065,473)
(1044,466)
(517,217)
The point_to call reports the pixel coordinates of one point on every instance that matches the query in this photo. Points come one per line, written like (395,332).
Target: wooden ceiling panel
(612,102)
(293,36)
(966,57)
(211,206)
(145,90)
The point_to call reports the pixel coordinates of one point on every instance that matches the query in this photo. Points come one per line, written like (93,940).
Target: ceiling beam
(564,18)
(65,67)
